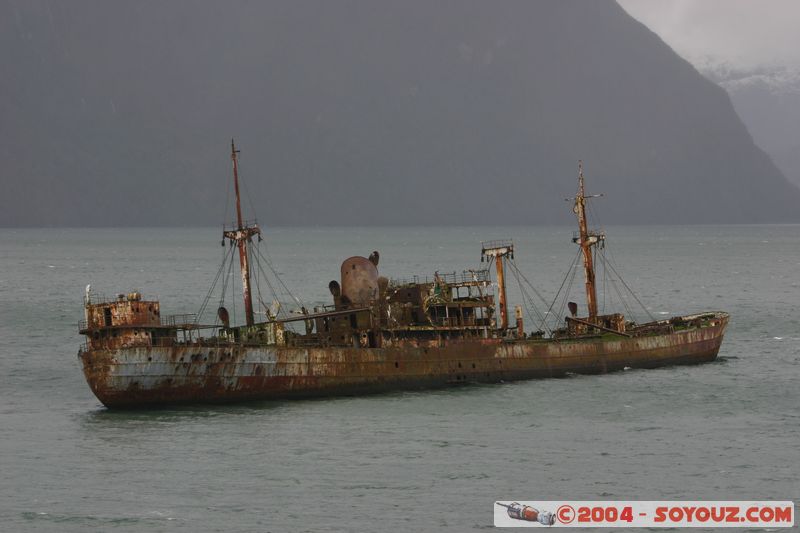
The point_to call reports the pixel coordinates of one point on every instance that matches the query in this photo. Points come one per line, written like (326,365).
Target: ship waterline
(146,376)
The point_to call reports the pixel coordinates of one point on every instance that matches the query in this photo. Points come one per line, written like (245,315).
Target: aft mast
(242,236)
(586,239)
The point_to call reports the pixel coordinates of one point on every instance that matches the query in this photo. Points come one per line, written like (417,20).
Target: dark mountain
(768,100)
(363,112)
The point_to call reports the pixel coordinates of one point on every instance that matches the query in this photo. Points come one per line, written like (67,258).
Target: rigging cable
(609,264)
(526,298)
(225,283)
(213,286)
(275,273)
(246,191)
(605,278)
(227,202)
(541,298)
(555,298)
(569,288)
(252,259)
(614,270)
(275,294)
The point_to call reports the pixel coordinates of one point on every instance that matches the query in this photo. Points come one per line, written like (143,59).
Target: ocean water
(423,461)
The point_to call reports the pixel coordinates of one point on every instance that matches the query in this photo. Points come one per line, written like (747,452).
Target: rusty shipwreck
(376,335)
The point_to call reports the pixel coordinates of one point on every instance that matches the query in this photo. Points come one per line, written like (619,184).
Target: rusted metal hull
(142,376)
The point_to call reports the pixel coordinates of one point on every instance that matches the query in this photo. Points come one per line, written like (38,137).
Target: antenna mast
(241,236)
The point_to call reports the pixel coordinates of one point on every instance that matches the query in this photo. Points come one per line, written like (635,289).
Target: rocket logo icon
(529,514)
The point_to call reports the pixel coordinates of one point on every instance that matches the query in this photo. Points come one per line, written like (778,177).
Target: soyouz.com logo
(766,514)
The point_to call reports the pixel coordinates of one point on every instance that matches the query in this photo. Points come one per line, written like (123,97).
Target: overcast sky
(744,33)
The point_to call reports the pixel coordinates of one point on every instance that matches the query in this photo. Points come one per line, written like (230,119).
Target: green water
(425,461)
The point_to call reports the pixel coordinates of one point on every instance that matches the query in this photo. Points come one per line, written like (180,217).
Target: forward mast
(242,236)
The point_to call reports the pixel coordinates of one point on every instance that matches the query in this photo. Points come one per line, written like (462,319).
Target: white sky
(744,33)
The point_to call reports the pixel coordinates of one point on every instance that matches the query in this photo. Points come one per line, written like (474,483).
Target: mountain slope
(364,112)
(768,100)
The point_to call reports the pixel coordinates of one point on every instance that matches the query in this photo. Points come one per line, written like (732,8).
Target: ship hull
(151,376)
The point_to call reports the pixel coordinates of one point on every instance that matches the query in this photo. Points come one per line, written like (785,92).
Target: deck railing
(497,243)
(177,321)
(450,278)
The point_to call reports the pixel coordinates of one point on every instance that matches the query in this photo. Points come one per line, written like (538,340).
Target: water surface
(403,461)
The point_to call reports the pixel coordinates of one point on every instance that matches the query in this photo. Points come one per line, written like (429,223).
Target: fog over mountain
(768,101)
(364,112)
(752,50)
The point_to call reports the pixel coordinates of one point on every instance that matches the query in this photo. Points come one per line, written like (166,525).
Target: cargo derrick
(500,251)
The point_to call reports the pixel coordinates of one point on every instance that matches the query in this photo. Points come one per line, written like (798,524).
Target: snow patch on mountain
(777,79)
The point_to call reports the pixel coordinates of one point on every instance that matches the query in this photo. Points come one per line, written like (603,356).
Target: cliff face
(364,112)
(768,100)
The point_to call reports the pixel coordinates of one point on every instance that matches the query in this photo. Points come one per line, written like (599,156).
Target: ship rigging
(498,255)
